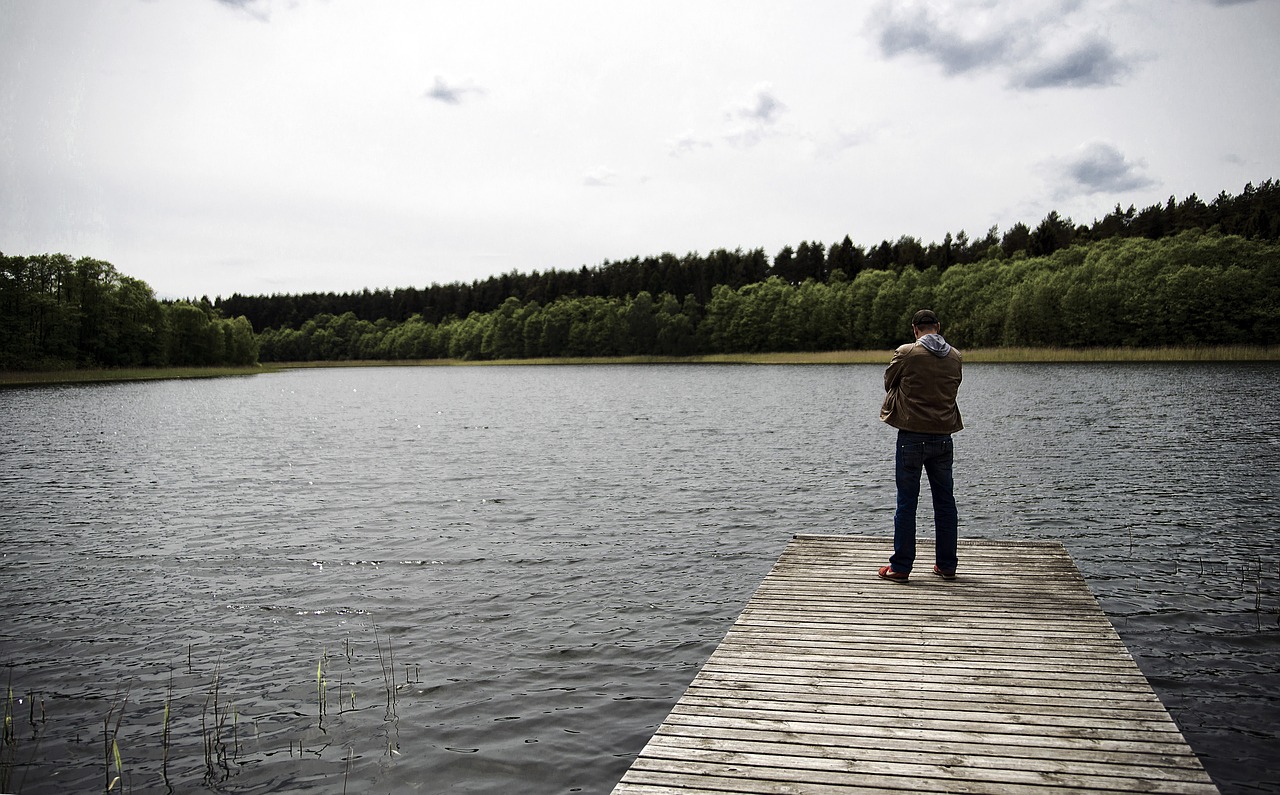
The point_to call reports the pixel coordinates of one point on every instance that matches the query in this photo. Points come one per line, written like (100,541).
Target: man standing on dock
(921,383)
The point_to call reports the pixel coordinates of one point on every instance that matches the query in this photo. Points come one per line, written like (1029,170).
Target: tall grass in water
(216,733)
(186,723)
(322,689)
(9,742)
(1199,353)
(166,737)
(391,716)
(388,663)
(110,737)
(36,377)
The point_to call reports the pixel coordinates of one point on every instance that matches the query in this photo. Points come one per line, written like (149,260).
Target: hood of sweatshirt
(935,344)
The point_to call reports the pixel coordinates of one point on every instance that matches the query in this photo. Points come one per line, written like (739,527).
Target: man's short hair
(925,317)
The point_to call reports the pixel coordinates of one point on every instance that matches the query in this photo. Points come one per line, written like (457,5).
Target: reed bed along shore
(107,375)
(1222,353)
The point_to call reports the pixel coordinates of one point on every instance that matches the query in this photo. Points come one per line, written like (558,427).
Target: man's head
(925,322)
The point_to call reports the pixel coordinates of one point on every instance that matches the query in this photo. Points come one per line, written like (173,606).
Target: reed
(166,737)
(1197,353)
(110,735)
(215,732)
(38,377)
(387,662)
(9,743)
(1190,353)
(417,673)
(322,689)
(346,773)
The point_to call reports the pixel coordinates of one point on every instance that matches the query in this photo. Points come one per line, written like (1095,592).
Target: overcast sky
(211,147)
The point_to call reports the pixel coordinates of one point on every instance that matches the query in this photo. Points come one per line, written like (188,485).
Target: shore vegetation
(1226,353)
(1182,279)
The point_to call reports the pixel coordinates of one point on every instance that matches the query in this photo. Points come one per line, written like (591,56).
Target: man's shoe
(887,573)
(946,575)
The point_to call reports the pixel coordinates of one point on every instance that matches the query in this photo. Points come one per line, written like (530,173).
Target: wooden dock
(1008,679)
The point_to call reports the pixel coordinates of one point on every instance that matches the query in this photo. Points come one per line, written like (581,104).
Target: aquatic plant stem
(111,746)
(165,736)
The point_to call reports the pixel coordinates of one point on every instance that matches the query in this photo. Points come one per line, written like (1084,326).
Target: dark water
(541,558)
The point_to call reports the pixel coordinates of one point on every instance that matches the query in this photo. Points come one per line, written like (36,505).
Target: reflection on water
(462,578)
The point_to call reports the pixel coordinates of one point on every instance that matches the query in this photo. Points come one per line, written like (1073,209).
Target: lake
(498,579)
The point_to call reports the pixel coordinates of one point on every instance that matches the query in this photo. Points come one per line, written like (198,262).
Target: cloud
(1099,167)
(1033,50)
(686,144)
(908,30)
(254,8)
(764,108)
(751,122)
(601,178)
(1092,62)
(746,124)
(441,91)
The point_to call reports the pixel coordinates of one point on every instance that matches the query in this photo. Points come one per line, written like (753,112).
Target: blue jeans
(934,454)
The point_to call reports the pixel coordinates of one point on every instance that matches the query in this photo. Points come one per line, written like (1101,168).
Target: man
(921,383)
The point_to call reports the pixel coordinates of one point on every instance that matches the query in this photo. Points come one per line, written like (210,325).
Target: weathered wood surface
(1008,679)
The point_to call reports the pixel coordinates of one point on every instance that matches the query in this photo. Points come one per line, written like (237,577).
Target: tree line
(1178,273)
(1253,214)
(58,313)
(1192,288)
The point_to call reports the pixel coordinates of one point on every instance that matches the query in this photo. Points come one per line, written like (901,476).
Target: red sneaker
(946,575)
(887,573)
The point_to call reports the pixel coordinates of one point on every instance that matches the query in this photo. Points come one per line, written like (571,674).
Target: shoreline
(1188,354)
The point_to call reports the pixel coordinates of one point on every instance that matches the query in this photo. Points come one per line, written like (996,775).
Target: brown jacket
(921,388)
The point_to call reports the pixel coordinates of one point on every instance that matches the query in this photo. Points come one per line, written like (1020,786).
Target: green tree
(189,343)
(641,321)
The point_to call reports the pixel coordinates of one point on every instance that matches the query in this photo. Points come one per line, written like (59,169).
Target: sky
(213,147)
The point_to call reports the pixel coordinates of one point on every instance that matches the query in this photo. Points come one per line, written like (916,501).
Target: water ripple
(460,578)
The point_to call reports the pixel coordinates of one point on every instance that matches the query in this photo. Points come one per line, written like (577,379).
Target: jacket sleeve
(893,373)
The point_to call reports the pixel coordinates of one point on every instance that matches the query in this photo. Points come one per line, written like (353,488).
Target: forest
(57,313)
(1180,273)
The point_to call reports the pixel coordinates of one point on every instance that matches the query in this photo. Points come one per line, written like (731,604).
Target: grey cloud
(441,91)
(752,123)
(746,125)
(1102,168)
(983,36)
(686,144)
(1092,63)
(254,8)
(765,109)
(919,32)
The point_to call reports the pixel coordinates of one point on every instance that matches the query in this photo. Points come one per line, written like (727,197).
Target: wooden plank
(1007,679)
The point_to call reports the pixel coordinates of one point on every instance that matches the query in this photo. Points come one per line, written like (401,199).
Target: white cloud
(687,143)
(601,177)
